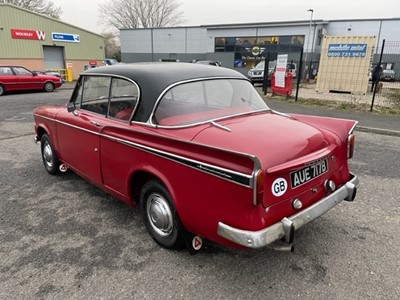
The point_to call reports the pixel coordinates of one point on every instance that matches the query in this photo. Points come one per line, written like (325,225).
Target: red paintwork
(27,82)
(281,144)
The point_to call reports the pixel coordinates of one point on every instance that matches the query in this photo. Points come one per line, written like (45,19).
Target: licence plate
(308,173)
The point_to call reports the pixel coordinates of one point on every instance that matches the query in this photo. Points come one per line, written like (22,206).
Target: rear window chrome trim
(150,120)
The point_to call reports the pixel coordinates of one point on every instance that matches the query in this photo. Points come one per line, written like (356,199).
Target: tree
(44,7)
(125,14)
(112,45)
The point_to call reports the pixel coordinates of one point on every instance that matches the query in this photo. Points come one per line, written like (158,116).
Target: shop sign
(347,50)
(27,34)
(65,37)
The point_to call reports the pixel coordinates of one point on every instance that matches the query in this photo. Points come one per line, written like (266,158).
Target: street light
(308,38)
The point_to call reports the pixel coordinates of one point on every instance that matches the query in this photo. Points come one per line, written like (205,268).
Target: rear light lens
(259,188)
(350,146)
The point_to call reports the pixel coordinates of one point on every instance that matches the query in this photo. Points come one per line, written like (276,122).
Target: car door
(27,80)
(8,79)
(79,131)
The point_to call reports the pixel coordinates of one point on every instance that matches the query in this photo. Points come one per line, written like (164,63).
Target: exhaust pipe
(283,247)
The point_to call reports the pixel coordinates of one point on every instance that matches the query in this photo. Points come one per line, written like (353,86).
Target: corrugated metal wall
(345,70)
(90,47)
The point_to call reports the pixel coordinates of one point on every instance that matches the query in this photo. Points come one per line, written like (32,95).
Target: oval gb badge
(279,187)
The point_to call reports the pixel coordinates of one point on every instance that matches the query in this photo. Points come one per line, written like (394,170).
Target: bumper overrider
(284,230)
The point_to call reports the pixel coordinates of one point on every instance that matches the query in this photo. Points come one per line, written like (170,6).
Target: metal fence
(386,63)
(372,94)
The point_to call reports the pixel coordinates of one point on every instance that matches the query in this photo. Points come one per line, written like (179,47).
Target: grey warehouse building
(241,46)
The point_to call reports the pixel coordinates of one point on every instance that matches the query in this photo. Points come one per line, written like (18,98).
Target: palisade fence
(349,79)
(386,92)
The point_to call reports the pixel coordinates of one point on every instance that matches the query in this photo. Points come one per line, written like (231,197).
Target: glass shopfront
(250,50)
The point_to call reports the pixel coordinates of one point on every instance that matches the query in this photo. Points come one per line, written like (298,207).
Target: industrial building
(38,42)
(241,46)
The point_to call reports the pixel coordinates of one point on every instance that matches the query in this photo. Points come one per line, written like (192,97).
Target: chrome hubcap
(48,155)
(159,215)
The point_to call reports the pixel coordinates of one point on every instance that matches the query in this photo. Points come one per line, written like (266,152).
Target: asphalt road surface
(62,238)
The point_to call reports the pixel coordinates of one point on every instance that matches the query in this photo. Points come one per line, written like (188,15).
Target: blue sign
(347,50)
(65,37)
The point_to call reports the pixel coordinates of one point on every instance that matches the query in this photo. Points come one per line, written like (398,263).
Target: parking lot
(62,238)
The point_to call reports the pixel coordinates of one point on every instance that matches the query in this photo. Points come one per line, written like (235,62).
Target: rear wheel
(49,156)
(159,215)
(48,87)
(1,89)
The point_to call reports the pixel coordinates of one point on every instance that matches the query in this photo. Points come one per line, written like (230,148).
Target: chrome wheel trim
(159,215)
(48,155)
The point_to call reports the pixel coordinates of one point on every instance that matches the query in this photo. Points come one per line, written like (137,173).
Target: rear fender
(340,127)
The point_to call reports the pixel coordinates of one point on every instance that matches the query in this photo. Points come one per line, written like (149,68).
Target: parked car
(388,75)
(256,74)
(208,62)
(17,78)
(200,152)
(49,72)
(110,61)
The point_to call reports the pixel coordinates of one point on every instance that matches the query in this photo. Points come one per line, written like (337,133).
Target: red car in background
(200,152)
(17,78)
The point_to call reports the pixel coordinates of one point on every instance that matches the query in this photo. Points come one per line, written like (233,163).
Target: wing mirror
(71,106)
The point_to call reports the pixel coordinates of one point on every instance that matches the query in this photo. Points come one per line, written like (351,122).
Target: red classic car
(200,152)
(17,78)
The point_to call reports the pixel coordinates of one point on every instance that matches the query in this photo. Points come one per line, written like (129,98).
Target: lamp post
(308,43)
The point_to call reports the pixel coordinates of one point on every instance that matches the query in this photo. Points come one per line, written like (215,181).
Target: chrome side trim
(266,236)
(352,128)
(246,180)
(229,175)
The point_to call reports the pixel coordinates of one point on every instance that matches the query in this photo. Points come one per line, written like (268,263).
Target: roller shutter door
(53,57)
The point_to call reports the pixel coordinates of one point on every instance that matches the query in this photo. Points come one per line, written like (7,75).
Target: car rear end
(297,191)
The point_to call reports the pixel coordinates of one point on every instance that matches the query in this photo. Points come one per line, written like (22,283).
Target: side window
(22,71)
(77,94)
(5,71)
(123,100)
(95,94)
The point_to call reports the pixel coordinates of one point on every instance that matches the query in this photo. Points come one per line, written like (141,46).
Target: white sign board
(280,70)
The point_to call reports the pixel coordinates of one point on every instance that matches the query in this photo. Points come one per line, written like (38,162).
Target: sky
(84,14)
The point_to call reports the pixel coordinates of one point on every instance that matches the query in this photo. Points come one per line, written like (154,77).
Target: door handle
(94,123)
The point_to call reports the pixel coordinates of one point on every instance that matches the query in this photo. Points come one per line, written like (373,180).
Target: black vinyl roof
(154,78)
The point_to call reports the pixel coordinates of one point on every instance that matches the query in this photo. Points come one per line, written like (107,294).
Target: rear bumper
(286,227)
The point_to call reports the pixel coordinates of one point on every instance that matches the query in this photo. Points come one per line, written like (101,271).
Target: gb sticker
(279,187)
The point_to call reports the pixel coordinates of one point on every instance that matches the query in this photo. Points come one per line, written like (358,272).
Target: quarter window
(124,96)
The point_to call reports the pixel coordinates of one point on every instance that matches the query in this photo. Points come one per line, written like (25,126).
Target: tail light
(350,146)
(259,186)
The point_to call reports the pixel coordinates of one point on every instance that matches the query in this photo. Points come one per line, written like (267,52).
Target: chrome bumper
(286,227)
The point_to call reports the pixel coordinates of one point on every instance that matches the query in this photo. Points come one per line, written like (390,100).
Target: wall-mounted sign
(347,50)
(28,34)
(65,37)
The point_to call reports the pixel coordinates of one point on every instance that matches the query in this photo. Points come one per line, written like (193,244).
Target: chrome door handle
(94,123)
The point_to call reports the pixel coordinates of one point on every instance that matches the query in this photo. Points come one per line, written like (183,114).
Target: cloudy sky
(84,14)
